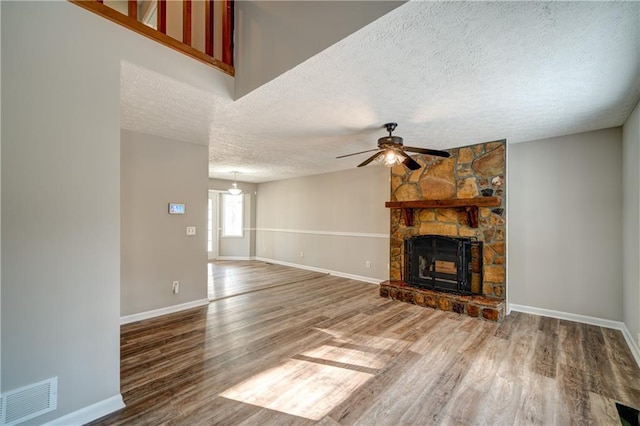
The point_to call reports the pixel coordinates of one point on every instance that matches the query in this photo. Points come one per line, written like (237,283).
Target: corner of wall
(631,223)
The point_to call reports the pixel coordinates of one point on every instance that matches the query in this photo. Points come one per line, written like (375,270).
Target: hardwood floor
(231,278)
(325,350)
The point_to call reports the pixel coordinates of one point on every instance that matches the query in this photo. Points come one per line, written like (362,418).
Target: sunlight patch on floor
(372,342)
(300,388)
(347,356)
(317,380)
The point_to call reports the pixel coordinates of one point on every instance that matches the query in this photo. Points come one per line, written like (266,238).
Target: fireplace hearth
(441,263)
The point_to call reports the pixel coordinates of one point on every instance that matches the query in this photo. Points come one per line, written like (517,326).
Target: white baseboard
(162,311)
(585,319)
(633,345)
(369,280)
(233,258)
(567,316)
(90,413)
(322,270)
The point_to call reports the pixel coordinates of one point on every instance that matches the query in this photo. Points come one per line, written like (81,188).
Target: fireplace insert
(436,262)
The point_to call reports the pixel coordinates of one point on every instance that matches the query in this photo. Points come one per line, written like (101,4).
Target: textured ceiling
(451,74)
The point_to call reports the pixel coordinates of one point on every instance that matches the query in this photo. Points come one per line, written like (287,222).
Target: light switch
(191,230)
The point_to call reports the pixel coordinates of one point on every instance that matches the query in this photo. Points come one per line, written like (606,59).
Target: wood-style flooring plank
(544,362)
(572,380)
(300,348)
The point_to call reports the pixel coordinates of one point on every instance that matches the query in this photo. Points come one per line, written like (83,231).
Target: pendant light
(234,190)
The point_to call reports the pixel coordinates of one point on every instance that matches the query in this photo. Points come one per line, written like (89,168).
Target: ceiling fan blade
(356,153)
(435,152)
(370,159)
(409,162)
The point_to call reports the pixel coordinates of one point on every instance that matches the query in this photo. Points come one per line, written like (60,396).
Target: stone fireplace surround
(474,172)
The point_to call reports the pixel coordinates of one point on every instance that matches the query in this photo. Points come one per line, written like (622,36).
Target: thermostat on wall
(176,208)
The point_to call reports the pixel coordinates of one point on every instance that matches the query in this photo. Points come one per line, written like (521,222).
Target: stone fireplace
(451,211)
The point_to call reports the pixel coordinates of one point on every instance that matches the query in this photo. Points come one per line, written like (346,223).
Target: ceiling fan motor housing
(390,142)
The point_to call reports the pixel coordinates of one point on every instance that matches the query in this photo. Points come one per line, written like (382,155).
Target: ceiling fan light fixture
(234,190)
(390,158)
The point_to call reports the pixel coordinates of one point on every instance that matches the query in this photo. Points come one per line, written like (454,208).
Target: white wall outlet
(175,287)
(638,339)
(191,230)
(367,264)
(301,254)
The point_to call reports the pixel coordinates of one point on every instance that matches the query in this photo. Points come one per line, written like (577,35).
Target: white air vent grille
(29,401)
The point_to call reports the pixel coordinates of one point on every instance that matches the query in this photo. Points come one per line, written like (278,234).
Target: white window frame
(213,224)
(223,208)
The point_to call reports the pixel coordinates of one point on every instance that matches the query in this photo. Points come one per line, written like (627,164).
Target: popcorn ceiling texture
(155,104)
(451,74)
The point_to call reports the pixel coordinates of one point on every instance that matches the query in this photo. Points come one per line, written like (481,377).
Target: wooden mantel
(470,205)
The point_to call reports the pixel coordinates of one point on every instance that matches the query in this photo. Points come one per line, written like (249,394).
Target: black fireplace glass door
(438,263)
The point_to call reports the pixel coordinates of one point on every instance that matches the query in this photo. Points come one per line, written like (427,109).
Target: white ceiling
(451,74)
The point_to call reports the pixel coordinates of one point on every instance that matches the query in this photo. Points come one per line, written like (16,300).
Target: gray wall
(236,247)
(60,208)
(61,193)
(275,36)
(337,219)
(565,235)
(631,223)
(155,249)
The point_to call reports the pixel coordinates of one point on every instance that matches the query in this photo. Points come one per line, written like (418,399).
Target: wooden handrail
(184,46)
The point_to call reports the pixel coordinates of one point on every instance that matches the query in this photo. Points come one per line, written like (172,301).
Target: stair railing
(201,29)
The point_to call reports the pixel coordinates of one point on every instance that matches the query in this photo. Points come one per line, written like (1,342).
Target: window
(232,215)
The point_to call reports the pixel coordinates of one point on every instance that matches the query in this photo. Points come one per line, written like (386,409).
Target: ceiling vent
(28,402)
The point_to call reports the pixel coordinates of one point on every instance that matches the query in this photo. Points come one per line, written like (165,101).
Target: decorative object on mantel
(234,190)
(391,151)
(470,205)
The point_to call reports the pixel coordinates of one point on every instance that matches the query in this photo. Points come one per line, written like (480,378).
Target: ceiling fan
(391,151)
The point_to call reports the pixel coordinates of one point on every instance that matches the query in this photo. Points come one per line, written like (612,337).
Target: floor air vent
(28,402)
